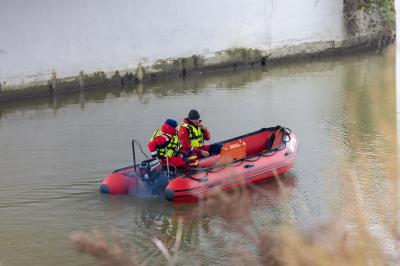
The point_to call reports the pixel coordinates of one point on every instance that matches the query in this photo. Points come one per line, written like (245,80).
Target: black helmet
(193,115)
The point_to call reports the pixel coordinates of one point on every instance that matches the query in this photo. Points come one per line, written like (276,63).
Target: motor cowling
(149,170)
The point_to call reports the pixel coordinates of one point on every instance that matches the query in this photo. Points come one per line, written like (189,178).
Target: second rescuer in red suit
(192,134)
(184,138)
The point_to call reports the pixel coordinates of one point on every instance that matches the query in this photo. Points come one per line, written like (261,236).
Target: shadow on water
(228,79)
(193,85)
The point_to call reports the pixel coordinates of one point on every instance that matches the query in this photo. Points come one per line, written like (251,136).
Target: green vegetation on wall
(380,12)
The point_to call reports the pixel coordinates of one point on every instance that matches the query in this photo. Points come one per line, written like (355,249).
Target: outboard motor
(153,176)
(149,170)
(151,173)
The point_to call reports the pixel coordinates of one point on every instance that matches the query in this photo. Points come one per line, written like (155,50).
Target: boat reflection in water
(201,220)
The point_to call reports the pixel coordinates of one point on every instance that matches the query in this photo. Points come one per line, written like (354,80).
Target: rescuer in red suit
(165,144)
(192,134)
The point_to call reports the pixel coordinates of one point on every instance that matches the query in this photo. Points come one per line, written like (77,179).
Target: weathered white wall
(90,35)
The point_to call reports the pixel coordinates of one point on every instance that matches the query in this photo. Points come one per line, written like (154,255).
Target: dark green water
(54,152)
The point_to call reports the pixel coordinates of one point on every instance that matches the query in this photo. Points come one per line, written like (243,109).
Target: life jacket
(195,134)
(172,144)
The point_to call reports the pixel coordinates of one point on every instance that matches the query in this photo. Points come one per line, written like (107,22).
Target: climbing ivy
(383,8)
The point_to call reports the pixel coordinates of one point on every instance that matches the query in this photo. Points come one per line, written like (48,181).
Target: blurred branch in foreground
(107,253)
(348,239)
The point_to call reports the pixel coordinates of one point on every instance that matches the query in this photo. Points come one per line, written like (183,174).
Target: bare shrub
(345,240)
(107,253)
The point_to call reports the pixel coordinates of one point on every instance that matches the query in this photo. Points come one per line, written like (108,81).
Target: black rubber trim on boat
(124,168)
(201,179)
(247,135)
(217,183)
(211,186)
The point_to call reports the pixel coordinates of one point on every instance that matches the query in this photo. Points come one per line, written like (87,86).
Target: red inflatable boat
(251,158)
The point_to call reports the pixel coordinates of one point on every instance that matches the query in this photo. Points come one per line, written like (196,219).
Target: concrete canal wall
(65,45)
